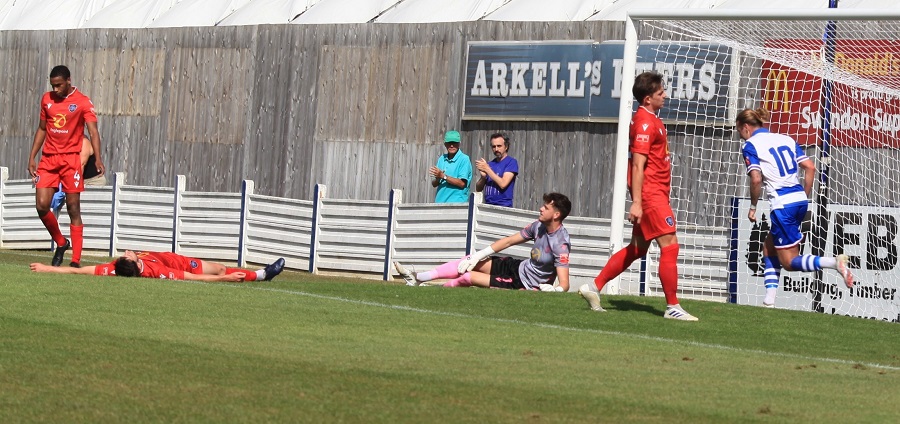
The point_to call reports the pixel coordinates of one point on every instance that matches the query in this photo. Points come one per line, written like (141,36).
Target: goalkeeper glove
(469,262)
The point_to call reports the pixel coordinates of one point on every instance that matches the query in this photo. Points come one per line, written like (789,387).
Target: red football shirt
(647,136)
(163,265)
(65,121)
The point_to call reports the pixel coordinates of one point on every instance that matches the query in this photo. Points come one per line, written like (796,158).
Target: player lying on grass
(171,266)
(549,259)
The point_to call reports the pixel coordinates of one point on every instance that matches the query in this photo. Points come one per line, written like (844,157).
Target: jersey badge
(670,221)
(194,264)
(73,107)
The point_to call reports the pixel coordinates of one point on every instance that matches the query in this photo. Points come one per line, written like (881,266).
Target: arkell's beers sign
(581,80)
(859,117)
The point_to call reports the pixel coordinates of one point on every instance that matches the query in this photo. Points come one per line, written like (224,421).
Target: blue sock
(806,263)
(772,272)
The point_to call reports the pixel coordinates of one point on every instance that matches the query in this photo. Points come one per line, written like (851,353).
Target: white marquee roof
(68,14)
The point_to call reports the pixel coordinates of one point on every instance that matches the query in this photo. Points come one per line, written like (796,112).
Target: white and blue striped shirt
(777,157)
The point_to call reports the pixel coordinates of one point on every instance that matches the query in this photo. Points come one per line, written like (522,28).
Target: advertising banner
(581,80)
(860,117)
(868,235)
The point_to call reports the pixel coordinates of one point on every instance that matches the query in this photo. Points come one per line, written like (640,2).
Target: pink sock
(447,270)
(464,280)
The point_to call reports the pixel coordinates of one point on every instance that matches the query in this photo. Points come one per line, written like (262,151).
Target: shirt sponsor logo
(59,120)
(642,138)
(564,258)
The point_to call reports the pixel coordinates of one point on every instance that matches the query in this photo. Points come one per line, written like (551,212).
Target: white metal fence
(360,237)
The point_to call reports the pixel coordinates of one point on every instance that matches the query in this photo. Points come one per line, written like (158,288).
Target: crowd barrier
(334,236)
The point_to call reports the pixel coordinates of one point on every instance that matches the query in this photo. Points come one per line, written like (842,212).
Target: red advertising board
(860,116)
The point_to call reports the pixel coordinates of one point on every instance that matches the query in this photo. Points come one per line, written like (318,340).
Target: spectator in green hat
(453,172)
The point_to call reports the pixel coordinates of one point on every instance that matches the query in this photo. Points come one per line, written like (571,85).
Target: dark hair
(756,118)
(646,84)
(560,202)
(501,135)
(127,268)
(60,71)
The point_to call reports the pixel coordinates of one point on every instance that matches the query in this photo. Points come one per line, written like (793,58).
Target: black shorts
(505,273)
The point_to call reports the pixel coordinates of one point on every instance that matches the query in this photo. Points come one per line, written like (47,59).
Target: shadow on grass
(630,305)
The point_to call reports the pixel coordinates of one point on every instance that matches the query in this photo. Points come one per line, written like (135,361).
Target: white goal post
(831,80)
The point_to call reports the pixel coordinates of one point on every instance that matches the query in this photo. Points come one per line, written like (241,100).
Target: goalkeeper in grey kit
(547,269)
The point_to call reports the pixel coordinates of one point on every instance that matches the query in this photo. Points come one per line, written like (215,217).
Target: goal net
(830,80)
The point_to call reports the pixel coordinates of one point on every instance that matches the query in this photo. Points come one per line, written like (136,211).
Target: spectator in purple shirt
(498,177)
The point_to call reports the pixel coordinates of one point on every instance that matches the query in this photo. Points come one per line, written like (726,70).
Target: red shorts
(656,221)
(193,265)
(179,262)
(64,168)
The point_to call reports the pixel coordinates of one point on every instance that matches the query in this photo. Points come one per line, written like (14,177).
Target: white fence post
(118,181)
(246,190)
(4,175)
(180,186)
(395,199)
(474,201)
(318,195)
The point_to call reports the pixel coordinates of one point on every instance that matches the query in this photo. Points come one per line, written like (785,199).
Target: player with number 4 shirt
(64,113)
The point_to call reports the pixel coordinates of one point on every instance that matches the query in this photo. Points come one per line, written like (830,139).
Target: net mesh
(713,70)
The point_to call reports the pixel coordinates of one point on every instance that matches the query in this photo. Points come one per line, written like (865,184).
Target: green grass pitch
(313,349)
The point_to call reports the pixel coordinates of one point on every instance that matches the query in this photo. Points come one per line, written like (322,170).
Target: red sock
(668,272)
(251,275)
(49,220)
(618,263)
(77,234)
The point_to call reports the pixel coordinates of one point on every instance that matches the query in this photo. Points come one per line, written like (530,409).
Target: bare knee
(213,268)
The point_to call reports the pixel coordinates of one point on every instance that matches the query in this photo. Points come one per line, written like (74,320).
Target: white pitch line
(555,326)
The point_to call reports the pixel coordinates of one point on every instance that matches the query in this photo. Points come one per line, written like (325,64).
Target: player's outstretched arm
(235,277)
(508,241)
(86,270)
(468,263)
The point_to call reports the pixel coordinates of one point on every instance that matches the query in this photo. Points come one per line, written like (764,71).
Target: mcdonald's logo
(777,93)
